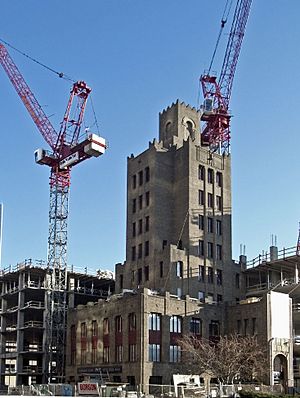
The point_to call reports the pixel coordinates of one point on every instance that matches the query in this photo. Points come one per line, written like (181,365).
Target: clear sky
(139,56)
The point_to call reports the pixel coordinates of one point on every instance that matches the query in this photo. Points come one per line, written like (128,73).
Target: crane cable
(223,23)
(59,74)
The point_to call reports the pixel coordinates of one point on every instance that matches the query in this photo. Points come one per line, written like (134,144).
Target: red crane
(216,93)
(68,148)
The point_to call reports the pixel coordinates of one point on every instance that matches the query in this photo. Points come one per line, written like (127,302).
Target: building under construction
(24,325)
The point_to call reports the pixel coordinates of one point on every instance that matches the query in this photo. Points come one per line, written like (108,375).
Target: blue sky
(139,56)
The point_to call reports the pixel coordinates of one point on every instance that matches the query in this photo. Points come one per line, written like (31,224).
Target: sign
(99,369)
(87,388)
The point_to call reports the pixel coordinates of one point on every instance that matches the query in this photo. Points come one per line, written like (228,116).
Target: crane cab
(41,156)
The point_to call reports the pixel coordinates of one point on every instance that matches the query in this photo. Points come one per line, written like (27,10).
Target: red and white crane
(68,148)
(217,92)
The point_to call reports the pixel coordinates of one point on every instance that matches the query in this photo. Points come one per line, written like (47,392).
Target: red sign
(88,388)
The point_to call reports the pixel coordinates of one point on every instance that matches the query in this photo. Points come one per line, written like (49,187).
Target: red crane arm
(35,110)
(233,49)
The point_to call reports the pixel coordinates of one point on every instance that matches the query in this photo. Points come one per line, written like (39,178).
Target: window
(105,354)
(210,275)
(73,345)
(201,276)
(201,222)
(196,326)
(210,176)
(134,181)
(164,244)
(246,327)
(210,250)
(133,253)
(219,179)
(179,292)
(201,296)
(161,269)
(83,356)
(219,202)
(219,252)
(83,329)
(147,174)
(147,224)
(210,225)
(214,329)
(201,197)
(210,298)
(146,272)
(210,200)
(133,229)
(154,321)
(119,353)
(219,277)
(219,298)
(132,321)
(105,326)
(201,172)
(237,281)
(118,324)
(147,248)
(175,324)
(140,226)
(200,247)
(140,275)
(175,353)
(140,178)
(219,227)
(140,202)
(239,326)
(132,357)
(94,329)
(132,276)
(133,205)
(121,280)
(140,250)
(179,269)
(154,352)
(254,329)
(147,198)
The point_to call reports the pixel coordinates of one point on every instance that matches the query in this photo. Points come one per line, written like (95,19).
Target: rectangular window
(200,247)
(131,321)
(147,224)
(105,326)
(94,355)
(214,329)
(210,275)
(254,329)
(105,354)
(118,324)
(154,352)
(175,324)
(133,253)
(121,280)
(239,326)
(133,205)
(146,272)
(210,298)
(147,174)
(147,198)
(140,250)
(94,329)
(210,200)
(132,276)
(219,227)
(201,172)
(246,327)
(219,277)
(201,222)
(210,225)
(210,250)
(134,181)
(140,202)
(83,357)
(140,275)
(201,296)
(219,252)
(133,229)
(196,326)
(161,269)
(219,298)
(210,176)
(154,321)
(219,179)
(201,276)
(201,197)
(179,292)
(140,226)
(147,248)
(83,329)
(175,353)
(219,202)
(132,352)
(179,269)
(119,353)
(140,178)
(237,281)
(73,345)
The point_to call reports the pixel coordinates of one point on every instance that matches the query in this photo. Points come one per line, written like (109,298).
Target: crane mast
(68,148)
(217,93)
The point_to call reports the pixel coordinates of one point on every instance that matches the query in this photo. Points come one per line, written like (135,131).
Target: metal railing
(266,257)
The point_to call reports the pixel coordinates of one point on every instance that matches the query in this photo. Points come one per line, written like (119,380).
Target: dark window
(210,225)
(219,202)
(239,326)
(201,276)
(201,172)
(133,205)
(196,326)
(219,179)
(105,354)
(140,226)
(254,330)
(140,250)
(121,281)
(210,200)
(132,321)
(219,298)
(164,244)
(118,323)
(147,224)
(246,327)
(132,354)
(214,329)
(140,275)
(147,198)
(140,178)
(219,252)
(161,269)
(133,253)
(119,353)
(83,330)
(134,181)
(237,281)
(140,202)
(146,272)
(201,221)
(210,275)
(133,229)
(201,197)
(201,247)
(179,269)
(201,296)
(73,345)
(94,328)
(147,174)
(219,227)
(105,326)
(210,176)
(147,248)
(219,277)
(210,250)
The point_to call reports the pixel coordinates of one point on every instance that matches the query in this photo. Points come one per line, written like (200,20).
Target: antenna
(298,243)
(1,229)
